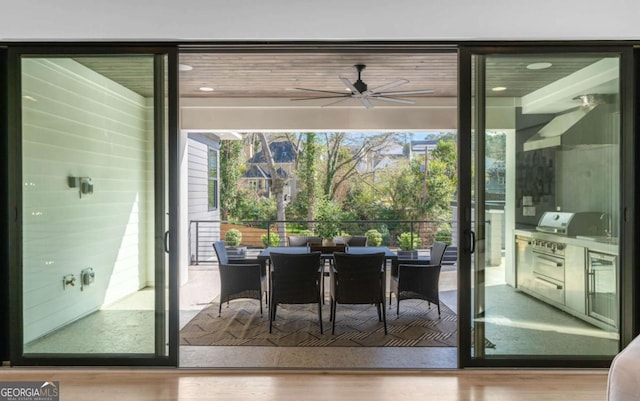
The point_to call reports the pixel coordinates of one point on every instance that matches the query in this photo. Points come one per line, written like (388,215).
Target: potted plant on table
(232,240)
(328,224)
(408,242)
(327,229)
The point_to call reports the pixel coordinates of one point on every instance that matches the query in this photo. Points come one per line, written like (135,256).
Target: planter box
(236,252)
(408,254)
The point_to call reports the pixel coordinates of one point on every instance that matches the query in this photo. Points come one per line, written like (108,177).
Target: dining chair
(358,279)
(357,240)
(240,279)
(303,240)
(418,280)
(294,279)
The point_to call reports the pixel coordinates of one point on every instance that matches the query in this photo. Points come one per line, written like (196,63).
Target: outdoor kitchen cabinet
(575,279)
(524,272)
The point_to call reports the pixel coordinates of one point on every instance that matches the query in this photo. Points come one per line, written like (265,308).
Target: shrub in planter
(374,237)
(233,237)
(444,235)
(408,243)
(270,240)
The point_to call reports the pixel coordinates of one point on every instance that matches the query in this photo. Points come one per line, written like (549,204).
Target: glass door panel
(94,205)
(545,198)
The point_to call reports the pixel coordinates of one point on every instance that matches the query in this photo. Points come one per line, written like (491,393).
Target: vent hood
(593,122)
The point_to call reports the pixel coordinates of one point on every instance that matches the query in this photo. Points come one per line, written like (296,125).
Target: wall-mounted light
(84,185)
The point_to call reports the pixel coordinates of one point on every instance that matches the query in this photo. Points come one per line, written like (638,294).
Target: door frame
(166,176)
(468,240)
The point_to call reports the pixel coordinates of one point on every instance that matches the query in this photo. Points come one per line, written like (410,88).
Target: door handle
(166,241)
(473,241)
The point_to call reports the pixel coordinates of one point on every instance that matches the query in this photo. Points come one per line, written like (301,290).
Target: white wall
(320,20)
(79,123)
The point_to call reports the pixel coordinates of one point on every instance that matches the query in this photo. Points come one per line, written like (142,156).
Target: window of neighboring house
(213,179)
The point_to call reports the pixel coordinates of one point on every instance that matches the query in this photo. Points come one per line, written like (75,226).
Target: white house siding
(79,123)
(198,153)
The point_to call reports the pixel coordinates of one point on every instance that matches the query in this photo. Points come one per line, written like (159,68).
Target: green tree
(344,153)
(230,171)
(401,188)
(306,172)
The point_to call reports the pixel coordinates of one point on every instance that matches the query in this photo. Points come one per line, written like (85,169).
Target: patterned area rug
(297,326)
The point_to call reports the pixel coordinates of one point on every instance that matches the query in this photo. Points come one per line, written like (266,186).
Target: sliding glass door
(91,166)
(542,139)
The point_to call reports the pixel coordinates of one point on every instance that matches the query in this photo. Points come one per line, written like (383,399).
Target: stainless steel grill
(572,224)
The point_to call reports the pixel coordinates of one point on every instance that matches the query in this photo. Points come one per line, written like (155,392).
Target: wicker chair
(351,240)
(294,279)
(240,278)
(417,279)
(357,240)
(358,279)
(303,240)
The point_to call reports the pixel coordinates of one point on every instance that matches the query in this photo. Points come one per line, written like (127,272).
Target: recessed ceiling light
(539,66)
(185,67)
(205,89)
(499,88)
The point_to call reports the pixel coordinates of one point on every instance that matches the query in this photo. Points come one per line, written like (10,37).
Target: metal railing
(258,234)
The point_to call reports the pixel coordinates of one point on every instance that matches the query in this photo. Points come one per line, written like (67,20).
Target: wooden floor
(471,385)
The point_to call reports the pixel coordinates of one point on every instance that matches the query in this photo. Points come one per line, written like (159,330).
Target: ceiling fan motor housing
(359,85)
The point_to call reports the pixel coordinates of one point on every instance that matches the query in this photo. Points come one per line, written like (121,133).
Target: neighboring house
(257,178)
(382,159)
(418,147)
(203,191)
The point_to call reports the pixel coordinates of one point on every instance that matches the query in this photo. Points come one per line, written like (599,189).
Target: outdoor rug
(297,326)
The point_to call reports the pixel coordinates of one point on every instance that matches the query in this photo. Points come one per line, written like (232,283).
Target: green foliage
(252,207)
(306,172)
(230,172)
(407,243)
(374,237)
(329,215)
(233,237)
(496,145)
(444,235)
(271,239)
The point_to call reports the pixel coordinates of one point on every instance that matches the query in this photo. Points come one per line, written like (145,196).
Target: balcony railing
(259,234)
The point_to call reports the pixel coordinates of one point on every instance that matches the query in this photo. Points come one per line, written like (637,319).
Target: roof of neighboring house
(283,152)
(419,145)
(255,172)
(259,172)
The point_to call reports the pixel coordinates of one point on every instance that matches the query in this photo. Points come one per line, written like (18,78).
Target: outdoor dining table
(356,250)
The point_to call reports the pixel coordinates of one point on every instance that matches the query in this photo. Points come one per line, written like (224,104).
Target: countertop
(603,244)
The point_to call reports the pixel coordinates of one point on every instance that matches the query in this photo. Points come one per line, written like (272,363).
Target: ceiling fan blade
(321,97)
(366,102)
(349,85)
(320,90)
(337,101)
(400,93)
(389,86)
(390,99)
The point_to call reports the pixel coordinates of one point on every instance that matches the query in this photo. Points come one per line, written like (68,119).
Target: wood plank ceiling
(276,75)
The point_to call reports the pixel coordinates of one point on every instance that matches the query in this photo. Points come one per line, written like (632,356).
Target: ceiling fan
(359,90)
